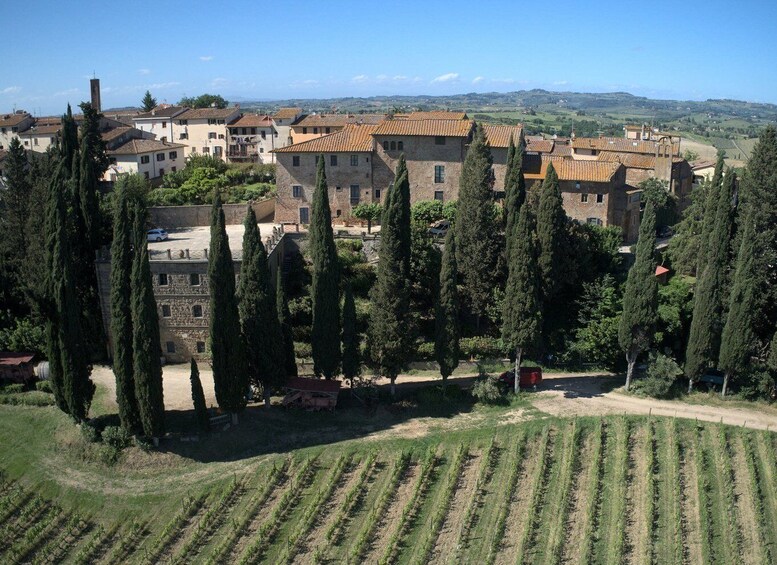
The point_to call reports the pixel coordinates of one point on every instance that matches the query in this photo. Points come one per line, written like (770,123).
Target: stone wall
(171,217)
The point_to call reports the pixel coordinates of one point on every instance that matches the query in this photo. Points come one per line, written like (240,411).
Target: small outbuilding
(312,394)
(17,367)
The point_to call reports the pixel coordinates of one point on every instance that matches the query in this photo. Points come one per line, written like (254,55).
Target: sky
(258,50)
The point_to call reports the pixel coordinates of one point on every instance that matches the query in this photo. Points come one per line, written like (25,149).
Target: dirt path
(637,542)
(448,538)
(580,503)
(745,505)
(393,514)
(690,504)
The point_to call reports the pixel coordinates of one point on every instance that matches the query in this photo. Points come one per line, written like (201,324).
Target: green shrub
(661,374)
(425,351)
(32,398)
(427,211)
(22,334)
(362,278)
(90,433)
(449,211)
(486,390)
(303,350)
(116,437)
(14,388)
(755,385)
(352,245)
(44,386)
(482,347)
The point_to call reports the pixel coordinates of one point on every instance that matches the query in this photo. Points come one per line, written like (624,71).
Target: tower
(94,87)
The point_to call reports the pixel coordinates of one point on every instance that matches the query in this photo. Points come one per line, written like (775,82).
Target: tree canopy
(204,101)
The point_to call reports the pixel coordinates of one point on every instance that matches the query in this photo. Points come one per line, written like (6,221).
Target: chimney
(94,87)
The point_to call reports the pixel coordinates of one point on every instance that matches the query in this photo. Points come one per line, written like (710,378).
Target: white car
(156,235)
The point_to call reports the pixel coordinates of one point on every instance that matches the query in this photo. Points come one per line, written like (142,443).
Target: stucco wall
(170,217)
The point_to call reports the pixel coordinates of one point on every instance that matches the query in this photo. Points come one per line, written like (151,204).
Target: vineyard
(586,490)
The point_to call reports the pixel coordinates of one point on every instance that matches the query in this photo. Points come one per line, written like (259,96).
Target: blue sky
(315,49)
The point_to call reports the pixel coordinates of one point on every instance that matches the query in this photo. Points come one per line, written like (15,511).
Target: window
(166,311)
(174,154)
(206,149)
(354,160)
(145,175)
(197,311)
(377,194)
(594,221)
(315,130)
(439,173)
(304,215)
(211,135)
(295,161)
(355,193)
(296,191)
(577,185)
(144,159)
(599,198)
(439,140)
(393,145)
(264,134)
(162,277)
(173,169)
(200,347)
(163,139)
(160,156)
(183,136)
(327,130)
(170,346)
(385,145)
(333,160)
(584,198)
(338,188)
(400,145)
(35,141)
(261,150)
(183,122)
(245,131)
(164,125)
(304,130)
(221,136)
(194,279)
(438,195)
(218,150)
(161,172)
(339,213)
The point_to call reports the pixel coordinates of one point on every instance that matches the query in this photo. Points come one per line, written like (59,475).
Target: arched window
(385,145)
(393,145)
(400,145)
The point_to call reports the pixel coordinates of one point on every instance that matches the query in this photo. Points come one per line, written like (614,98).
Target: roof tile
(355,138)
(499,136)
(428,128)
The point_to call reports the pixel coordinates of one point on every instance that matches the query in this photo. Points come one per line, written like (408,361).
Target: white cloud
(161,85)
(560,82)
(67,92)
(206,58)
(360,79)
(144,71)
(400,77)
(218,81)
(10,90)
(381,78)
(478,80)
(447,77)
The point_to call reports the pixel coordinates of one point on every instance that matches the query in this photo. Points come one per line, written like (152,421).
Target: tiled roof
(286,113)
(535,167)
(137,146)
(41,130)
(428,128)
(161,111)
(11,120)
(112,134)
(338,120)
(540,146)
(356,138)
(207,114)
(619,144)
(251,121)
(437,115)
(704,164)
(631,160)
(561,149)
(499,136)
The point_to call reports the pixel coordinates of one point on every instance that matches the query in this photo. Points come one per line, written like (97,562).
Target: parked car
(156,235)
(440,227)
(712,378)
(530,377)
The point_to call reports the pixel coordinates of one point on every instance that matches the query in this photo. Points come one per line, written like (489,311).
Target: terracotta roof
(540,146)
(138,146)
(338,120)
(161,111)
(207,114)
(499,136)
(437,115)
(353,138)
(535,167)
(41,130)
(14,359)
(428,128)
(112,134)
(561,149)
(632,160)
(286,113)
(12,120)
(704,164)
(251,121)
(618,144)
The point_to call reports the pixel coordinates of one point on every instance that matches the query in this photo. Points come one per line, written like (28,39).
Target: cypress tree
(476,249)
(68,143)
(121,309)
(93,163)
(282,309)
(258,316)
(707,322)
(508,176)
(522,307)
(712,198)
(515,196)
(228,356)
(551,230)
(738,338)
(198,397)
(640,297)
(146,352)
(15,208)
(446,329)
(350,337)
(325,335)
(149,102)
(388,338)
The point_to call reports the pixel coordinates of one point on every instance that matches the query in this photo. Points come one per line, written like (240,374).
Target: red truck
(530,377)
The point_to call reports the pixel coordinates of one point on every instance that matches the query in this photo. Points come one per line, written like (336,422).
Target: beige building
(317,125)
(148,157)
(161,121)
(282,120)
(204,130)
(12,126)
(252,139)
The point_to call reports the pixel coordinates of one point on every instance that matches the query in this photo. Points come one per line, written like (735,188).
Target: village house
(282,120)
(312,126)
(12,125)
(150,158)
(160,121)
(204,130)
(252,139)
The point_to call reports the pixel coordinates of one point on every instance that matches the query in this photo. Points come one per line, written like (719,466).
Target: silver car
(156,235)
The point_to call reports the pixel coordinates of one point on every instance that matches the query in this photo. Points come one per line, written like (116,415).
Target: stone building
(204,130)
(311,126)
(252,139)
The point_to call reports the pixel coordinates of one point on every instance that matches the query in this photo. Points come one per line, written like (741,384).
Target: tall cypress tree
(476,250)
(388,338)
(446,334)
(508,176)
(350,337)
(515,196)
(282,310)
(712,199)
(709,297)
(228,357)
(146,352)
(738,338)
(325,335)
(522,306)
(198,398)
(68,143)
(551,230)
(93,163)
(121,309)
(258,316)
(640,298)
